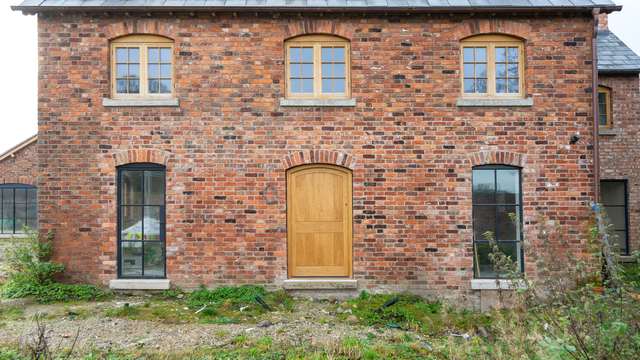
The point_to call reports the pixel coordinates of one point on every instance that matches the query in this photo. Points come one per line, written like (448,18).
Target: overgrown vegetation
(31,273)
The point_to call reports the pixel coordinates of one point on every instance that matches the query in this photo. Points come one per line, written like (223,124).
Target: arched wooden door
(319,221)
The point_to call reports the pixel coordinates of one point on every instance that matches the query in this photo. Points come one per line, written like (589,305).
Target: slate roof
(360,5)
(614,56)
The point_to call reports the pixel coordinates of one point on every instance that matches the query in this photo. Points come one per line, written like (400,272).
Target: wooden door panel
(319,221)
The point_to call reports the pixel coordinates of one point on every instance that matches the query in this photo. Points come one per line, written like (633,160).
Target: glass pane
(121,55)
(296,85)
(134,55)
(7,211)
(326,86)
(165,71)
(131,253)
(154,55)
(121,86)
(153,260)
(165,86)
(154,187)
(338,70)
(134,86)
(620,241)
(612,193)
(501,70)
(508,223)
(339,85)
(295,71)
(327,54)
(481,86)
(294,54)
(131,187)
(484,220)
(154,71)
(501,54)
(134,71)
(32,215)
(307,55)
(513,55)
(469,71)
(21,217)
(32,195)
(617,217)
(508,187)
(338,54)
(154,86)
(307,70)
(165,55)
(122,70)
(468,55)
(483,186)
(513,71)
(21,196)
(481,54)
(152,223)
(482,262)
(603,118)
(501,86)
(326,70)
(481,70)
(514,86)
(131,225)
(469,86)
(307,85)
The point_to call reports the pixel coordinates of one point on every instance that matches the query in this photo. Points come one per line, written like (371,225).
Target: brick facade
(620,146)
(228,145)
(21,166)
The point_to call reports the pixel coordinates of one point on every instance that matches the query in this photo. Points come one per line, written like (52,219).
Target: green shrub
(31,273)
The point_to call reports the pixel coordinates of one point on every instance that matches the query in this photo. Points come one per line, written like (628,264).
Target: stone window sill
(320,284)
(609,132)
(140,284)
(317,102)
(494,102)
(168,102)
(492,284)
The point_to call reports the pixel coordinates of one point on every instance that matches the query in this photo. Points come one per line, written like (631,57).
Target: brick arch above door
(488,157)
(154,156)
(305,157)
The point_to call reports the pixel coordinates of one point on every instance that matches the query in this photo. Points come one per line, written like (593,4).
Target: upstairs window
(19,210)
(604,107)
(492,66)
(318,66)
(142,66)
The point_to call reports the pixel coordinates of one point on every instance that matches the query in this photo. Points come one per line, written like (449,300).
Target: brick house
(313,145)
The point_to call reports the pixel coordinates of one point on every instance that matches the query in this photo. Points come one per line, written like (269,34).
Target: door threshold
(320,284)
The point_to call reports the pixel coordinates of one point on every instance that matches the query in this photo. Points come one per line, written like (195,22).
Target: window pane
(165,86)
(307,55)
(326,86)
(307,85)
(7,211)
(620,241)
(307,70)
(121,86)
(152,223)
(484,186)
(134,55)
(326,70)
(469,86)
(501,86)
(154,86)
(469,71)
(134,86)
(508,187)
(295,54)
(513,55)
(21,196)
(154,71)
(122,70)
(514,86)
(295,71)
(165,71)
(338,70)
(20,216)
(134,71)
(132,187)
(121,55)
(507,223)
(32,215)
(617,217)
(154,187)
(501,54)
(484,220)
(153,260)
(154,55)
(612,193)
(513,71)
(468,54)
(131,226)
(296,85)
(481,54)
(483,264)
(481,70)
(338,54)
(131,254)
(481,86)
(501,70)
(165,55)
(339,85)
(327,54)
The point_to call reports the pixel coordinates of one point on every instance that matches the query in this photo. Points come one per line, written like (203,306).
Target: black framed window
(497,209)
(614,199)
(19,210)
(141,221)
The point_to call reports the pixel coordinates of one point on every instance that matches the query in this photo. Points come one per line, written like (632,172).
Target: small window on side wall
(497,217)
(614,199)
(142,67)
(492,66)
(19,208)
(318,67)
(604,107)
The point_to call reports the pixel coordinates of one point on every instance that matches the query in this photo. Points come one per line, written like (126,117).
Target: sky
(19,67)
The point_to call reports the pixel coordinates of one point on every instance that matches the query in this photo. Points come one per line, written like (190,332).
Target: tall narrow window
(19,210)
(497,215)
(604,107)
(613,196)
(318,66)
(141,221)
(492,65)
(142,66)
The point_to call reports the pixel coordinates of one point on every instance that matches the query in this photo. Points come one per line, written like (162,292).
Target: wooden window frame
(490,42)
(317,42)
(608,105)
(143,43)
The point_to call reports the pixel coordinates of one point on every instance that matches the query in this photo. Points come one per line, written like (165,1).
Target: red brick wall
(227,146)
(620,150)
(22,168)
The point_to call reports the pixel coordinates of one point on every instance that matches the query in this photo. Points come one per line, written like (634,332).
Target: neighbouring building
(315,145)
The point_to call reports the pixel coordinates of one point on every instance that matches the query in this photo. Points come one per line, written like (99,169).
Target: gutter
(594,105)
(31,9)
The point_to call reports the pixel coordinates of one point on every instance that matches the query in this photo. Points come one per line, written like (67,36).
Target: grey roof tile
(614,55)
